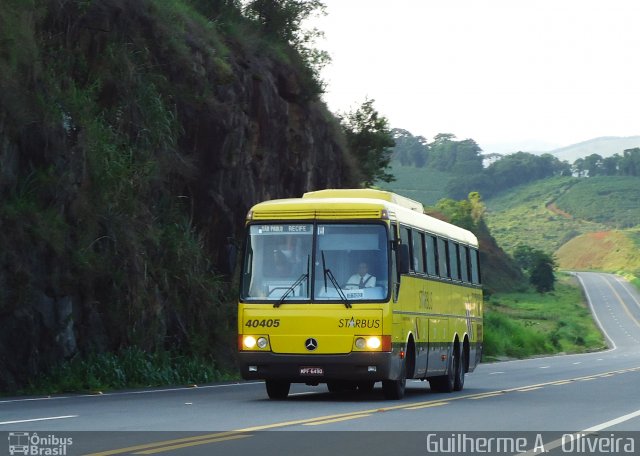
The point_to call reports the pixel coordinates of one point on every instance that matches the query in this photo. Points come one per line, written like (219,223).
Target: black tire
(277,389)
(394,389)
(445,383)
(458,383)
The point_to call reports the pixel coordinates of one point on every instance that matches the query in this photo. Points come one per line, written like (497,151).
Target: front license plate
(311,371)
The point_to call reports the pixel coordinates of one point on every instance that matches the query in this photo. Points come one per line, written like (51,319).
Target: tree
(370,140)
(410,150)
(542,276)
(538,265)
(282,20)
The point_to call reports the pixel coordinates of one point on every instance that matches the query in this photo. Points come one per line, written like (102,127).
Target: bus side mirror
(403,258)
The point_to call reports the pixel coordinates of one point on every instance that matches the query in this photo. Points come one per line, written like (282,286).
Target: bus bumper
(357,366)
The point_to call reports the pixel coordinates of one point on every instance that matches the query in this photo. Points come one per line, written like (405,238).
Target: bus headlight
(373,343)
(361,343)
(262,342)
(249,342)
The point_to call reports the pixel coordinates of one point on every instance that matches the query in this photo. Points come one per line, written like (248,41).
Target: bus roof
(352,204)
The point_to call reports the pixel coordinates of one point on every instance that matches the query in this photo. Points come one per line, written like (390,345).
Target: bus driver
(362,279)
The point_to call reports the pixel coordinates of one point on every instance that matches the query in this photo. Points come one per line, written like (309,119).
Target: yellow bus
(354,287)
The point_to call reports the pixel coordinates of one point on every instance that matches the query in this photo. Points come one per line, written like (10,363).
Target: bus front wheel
(394,389)
(277,389)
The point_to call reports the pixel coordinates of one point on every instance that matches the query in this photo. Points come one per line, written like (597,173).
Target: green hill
(525,216)
(611,251)
(611,200)
(421,184)
(546,214)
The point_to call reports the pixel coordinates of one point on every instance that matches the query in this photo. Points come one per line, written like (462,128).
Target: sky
(534,74)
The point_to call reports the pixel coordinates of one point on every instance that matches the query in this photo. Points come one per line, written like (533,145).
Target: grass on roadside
(129,368)
(521,325)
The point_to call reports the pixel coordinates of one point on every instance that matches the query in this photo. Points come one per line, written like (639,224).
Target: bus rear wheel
(458,383)
(277,389)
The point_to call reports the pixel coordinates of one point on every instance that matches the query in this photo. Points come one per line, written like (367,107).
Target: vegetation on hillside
(523,324)
(609,251)
(612,201)
(134,136)
(526,216)
(421,184)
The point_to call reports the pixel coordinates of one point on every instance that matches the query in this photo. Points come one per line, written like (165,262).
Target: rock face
(118,121)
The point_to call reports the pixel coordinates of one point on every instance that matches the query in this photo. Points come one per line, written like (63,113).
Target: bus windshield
(304,262)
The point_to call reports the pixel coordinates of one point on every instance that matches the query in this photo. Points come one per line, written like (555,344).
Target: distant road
(596,391)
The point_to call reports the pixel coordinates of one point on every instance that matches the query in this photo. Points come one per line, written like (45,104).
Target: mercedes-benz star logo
(311,344)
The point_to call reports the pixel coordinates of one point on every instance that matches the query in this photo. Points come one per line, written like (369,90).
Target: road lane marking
(435,404)
(190,444)
(578,435)
(533,388)
(165,443)
(484,396)
(125,393)
(39,419)
(613,422)
(336,420)
(496,373)
(565,382)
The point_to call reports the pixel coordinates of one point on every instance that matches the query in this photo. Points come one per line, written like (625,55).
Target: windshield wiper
(327,273)
(293,286)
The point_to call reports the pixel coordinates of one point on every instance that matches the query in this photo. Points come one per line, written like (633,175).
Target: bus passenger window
(464,263)
(453,260)
(432,263)
(405,237)
(443,266)
(475,267)
(418,249)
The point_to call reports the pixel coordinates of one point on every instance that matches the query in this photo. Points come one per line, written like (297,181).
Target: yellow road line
(146,446)
(190,444)
(335,420)
(484,396)
(434,404)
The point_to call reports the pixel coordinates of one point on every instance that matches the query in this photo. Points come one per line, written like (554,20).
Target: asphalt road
(596,393)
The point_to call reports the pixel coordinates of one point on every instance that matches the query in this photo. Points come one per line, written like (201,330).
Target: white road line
(39,419)
(608,424)
(596,428)
(123,393)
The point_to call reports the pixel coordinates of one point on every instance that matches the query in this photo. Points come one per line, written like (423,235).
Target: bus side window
(443,266)
(464,263)
(405,238)
(432,255)
(453,261)
(475,267)
(417,239)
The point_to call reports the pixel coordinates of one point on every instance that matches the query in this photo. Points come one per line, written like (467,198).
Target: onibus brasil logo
(33,444)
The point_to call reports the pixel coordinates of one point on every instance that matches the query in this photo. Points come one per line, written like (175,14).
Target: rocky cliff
(134,137)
